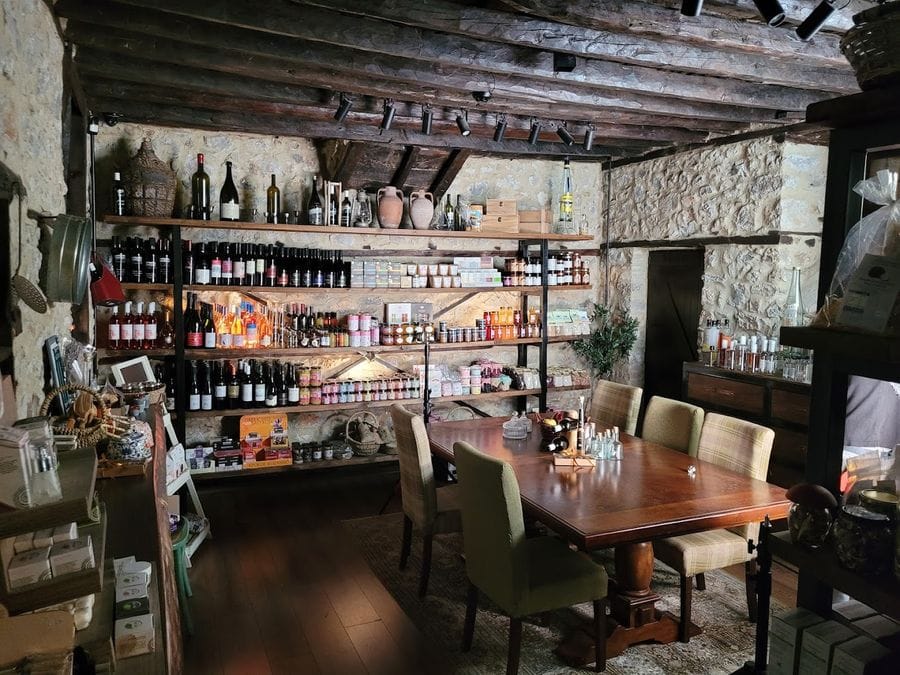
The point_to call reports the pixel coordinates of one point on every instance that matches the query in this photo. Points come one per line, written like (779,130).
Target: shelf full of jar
(511,393)
(332,229)
(529,290)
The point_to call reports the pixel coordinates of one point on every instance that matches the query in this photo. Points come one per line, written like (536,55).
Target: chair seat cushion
(691,554)
(559,577)
(449,517)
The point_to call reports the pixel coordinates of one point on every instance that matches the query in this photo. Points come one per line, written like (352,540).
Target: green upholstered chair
(742,447)
(616,404)
(674,424)
(521,575)
(180,539)
(426,509)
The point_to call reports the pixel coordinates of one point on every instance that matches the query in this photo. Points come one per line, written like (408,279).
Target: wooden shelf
(319,229)
(306,466)
(107,354)
(77,474)
(129,286)
(297,290)
(68,586)
(880,593)
(844,344)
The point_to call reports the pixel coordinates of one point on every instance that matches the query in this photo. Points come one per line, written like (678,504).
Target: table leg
(633,614)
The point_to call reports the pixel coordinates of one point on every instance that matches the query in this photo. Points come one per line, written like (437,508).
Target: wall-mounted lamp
(500,129)
(588,137)
(815,20)
(463,123)
(564,135)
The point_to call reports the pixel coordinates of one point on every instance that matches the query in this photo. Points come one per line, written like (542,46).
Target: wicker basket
(149,184)
(360,447)
(872,45)
(103,425)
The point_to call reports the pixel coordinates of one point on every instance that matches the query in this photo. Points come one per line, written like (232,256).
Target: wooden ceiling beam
(795,11)
(447,173)
(290,60)
(424,38)
(109,66)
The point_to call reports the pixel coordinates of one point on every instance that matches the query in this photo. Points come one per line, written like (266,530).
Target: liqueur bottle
(314,213)
(566,198)
(127,328)
(114,330)
(118,195)
(151,327)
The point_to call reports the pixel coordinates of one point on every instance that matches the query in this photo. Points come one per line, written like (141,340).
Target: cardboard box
(264,441)
(818,643)
(200,459)
(72,556)
(787,628)
(852,609)
(29,567)
(132,607)
(130,592)
(43,538)
(65,532)
(134,636)
(15,484)
(501,207)
(23,542)
(862,656)
(877,627)
(781,657)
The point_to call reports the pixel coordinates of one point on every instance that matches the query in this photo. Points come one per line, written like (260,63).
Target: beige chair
(428,510)
(674,424)
(521,575)
(616,404)
(742,447)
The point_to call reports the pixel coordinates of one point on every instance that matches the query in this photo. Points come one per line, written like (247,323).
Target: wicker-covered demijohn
(361,432)
(872,46)
(149,184)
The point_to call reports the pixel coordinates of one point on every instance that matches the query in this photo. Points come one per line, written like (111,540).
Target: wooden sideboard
(771,401)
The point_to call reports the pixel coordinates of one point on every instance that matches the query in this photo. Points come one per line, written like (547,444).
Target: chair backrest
(493,527)
(743,447)
(616,404)
(417,488)
(672,423)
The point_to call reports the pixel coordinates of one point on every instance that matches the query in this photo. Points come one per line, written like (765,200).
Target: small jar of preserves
(864,540)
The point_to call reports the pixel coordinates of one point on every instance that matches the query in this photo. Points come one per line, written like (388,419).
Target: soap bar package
(132,607)
(862,656)
(29,568)
(818,644)
(72,556)
(130,592)
(135,635)
(15,469)
(65,532)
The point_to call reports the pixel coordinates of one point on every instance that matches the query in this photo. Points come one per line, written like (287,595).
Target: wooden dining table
(625,504)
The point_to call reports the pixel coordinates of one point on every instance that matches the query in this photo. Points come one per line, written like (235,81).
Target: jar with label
(304,395)
(315,376)
(315,395)
(864,540)
(304,376)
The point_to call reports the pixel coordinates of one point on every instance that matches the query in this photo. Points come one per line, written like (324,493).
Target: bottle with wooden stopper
(273,202)
(229,208)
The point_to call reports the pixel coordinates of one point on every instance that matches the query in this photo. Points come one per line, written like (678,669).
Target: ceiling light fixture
(343,108)
(588,137)
(771,11)
(500,129)
(388,116)
(427,119)
(691,7)
(535,132)
(463,123)
(816,19)
(564,134)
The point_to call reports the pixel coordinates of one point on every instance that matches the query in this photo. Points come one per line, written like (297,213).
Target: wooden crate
(494,223)
(501,207)
(535,221)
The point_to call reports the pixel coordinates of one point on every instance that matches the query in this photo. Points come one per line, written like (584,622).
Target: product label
(209,340)
(138,332)
(127,331)
(150,332)
(225,340)
(202,275)
(215,269)
(229,211)
(221,391)
(259,392)
(194,402)
(293,394)
(206,402)
(115,332)
(247,392)
(237,341)
(250,267)
(315,215)
(233,391)
(239,270)
(165,264)
(194,339)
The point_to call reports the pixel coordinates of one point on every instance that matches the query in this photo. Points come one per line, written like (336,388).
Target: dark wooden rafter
(406,164)
(338,158)
(795,11)
(448,172)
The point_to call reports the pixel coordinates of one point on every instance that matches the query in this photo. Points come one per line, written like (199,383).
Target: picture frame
(132,371)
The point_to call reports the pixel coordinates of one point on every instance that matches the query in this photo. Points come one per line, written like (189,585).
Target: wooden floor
(279,590)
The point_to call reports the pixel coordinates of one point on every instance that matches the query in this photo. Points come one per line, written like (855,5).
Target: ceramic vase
(421,209)
(390,207)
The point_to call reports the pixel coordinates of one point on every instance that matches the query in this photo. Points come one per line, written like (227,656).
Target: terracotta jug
(421,209)
(390,207)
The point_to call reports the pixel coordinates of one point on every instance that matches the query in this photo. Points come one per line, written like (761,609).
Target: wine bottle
(194,389)
(151,331)
(137,261)
(281,385)
(229,208)
(170,385)
(246,387)
(271,267)
(293,387)
(237,329)
(127,328)
(226,253)
(273,202)
(150,261)
(166,333)
(119,259)
(259,386)
(201,265)
(187,258)
(114,329)
(346,211)
(164,262)
(220,387)
(193,329)
(215,265)
(314,205)
(209,328)
(206,392)
(260,265)
(239,265)
(200,192)
(118,195)
(234,387)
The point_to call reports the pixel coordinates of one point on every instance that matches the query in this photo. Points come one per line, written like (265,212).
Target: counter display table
(626,504)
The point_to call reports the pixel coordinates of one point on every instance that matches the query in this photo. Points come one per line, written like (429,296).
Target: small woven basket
(872,46)
(360,447)
(102,426)
(149,184)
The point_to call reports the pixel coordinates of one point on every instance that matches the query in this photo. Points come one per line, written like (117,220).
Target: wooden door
(673,313)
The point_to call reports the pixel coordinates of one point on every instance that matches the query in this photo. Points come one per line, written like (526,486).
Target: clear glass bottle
(566,199)
(794,311)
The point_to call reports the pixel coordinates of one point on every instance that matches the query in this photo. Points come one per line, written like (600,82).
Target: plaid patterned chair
(429,510)
(616,404)
(674,424)
(743,447)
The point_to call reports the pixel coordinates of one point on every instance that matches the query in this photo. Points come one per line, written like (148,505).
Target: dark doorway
(673,314)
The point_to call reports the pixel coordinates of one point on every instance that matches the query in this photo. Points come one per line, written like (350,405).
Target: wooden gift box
(535,221)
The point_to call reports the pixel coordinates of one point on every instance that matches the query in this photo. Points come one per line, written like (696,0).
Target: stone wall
(31,87)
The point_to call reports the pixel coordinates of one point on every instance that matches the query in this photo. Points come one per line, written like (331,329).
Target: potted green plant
(611,340)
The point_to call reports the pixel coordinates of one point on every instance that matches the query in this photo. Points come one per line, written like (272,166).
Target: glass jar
(864,540)
(809,525)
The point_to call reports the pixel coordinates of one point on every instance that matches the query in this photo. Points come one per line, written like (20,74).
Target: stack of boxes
(500,215)
(478,271)
(377,274)
(45,554)
(134,632)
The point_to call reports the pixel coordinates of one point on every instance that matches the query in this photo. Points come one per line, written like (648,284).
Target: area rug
(726,642)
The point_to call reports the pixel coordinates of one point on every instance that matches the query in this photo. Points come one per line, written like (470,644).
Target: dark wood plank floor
(280,589)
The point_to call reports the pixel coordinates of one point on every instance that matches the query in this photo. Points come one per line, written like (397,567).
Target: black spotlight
(463,124)
(344,108)
(771,10)
(535,132)
(691,7)
(815,20)
(500,129)
(588,137)
(564,134)
(388,117)
(427,119)
(563,63)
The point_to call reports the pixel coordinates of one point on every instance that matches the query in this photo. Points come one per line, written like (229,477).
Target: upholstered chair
(522,576)
(617,405)
(674,424)
(742,447)
(426,509)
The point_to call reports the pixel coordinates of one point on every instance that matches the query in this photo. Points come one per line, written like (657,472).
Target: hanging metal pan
(68,271)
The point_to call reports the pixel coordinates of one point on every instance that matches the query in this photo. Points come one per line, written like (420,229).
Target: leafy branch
(611,340)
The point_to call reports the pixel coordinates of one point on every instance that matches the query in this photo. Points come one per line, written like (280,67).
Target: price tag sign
(871,294)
